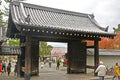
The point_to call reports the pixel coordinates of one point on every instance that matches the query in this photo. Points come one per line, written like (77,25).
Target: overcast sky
(106,12)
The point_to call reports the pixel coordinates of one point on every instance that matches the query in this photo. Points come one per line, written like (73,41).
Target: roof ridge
(56,10)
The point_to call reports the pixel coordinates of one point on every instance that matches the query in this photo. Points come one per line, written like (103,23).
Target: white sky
(57,44)
(107,12)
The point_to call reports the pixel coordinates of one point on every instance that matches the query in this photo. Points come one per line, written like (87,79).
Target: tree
(4,12)
(116,41)
(45,49)
(1,17)
(117,29)
(49,48)
(14,42)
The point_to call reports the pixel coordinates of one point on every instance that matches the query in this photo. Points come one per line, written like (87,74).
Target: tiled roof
(29,17)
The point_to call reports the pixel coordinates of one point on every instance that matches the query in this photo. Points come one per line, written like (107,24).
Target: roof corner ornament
(106,29)
(92,16)
(27,19)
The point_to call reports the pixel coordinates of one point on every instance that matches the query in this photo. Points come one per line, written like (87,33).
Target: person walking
(101,70)
(58,64)
(96,74)
(4,66)
(15,70)
(9,68)
(1,68)
(50,63)
(42,64)
(117,72)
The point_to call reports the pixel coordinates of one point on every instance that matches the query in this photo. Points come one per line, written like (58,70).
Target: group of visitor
(7,68)
(4,68)
(50,62)
(101,71)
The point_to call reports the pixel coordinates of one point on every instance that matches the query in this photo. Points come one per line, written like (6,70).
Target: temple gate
(31,24)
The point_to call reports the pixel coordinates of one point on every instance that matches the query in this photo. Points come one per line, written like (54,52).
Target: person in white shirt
(101,70)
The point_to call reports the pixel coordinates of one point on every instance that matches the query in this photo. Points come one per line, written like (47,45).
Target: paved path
(52,74)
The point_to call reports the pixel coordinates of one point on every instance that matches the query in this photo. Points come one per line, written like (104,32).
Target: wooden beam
(96,53)
(90,46)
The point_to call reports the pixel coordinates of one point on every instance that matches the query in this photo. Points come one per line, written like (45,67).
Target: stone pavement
(52,74)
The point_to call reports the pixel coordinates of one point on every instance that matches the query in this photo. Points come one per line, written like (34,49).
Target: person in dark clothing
(9,68)
(58,64)
(50,63)
(96,68)
(15,70)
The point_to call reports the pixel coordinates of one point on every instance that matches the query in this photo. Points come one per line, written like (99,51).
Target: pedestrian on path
(58,64)
(42,65)
(15,70)
(0,68)
(117,72)
(3,66)
(101,71)
(50,63)
(9,68)
(96,74)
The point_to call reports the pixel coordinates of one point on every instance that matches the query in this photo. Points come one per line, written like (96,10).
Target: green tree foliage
(117,29)
(1,17)
(45,49)
(14,42)
(4,12)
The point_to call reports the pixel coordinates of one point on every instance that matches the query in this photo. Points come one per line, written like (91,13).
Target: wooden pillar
(96,53)
(28,57)
(28,60)
(76,57)
(0,45)
(21,58)
(69,58)
(18,66)
(35,57)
